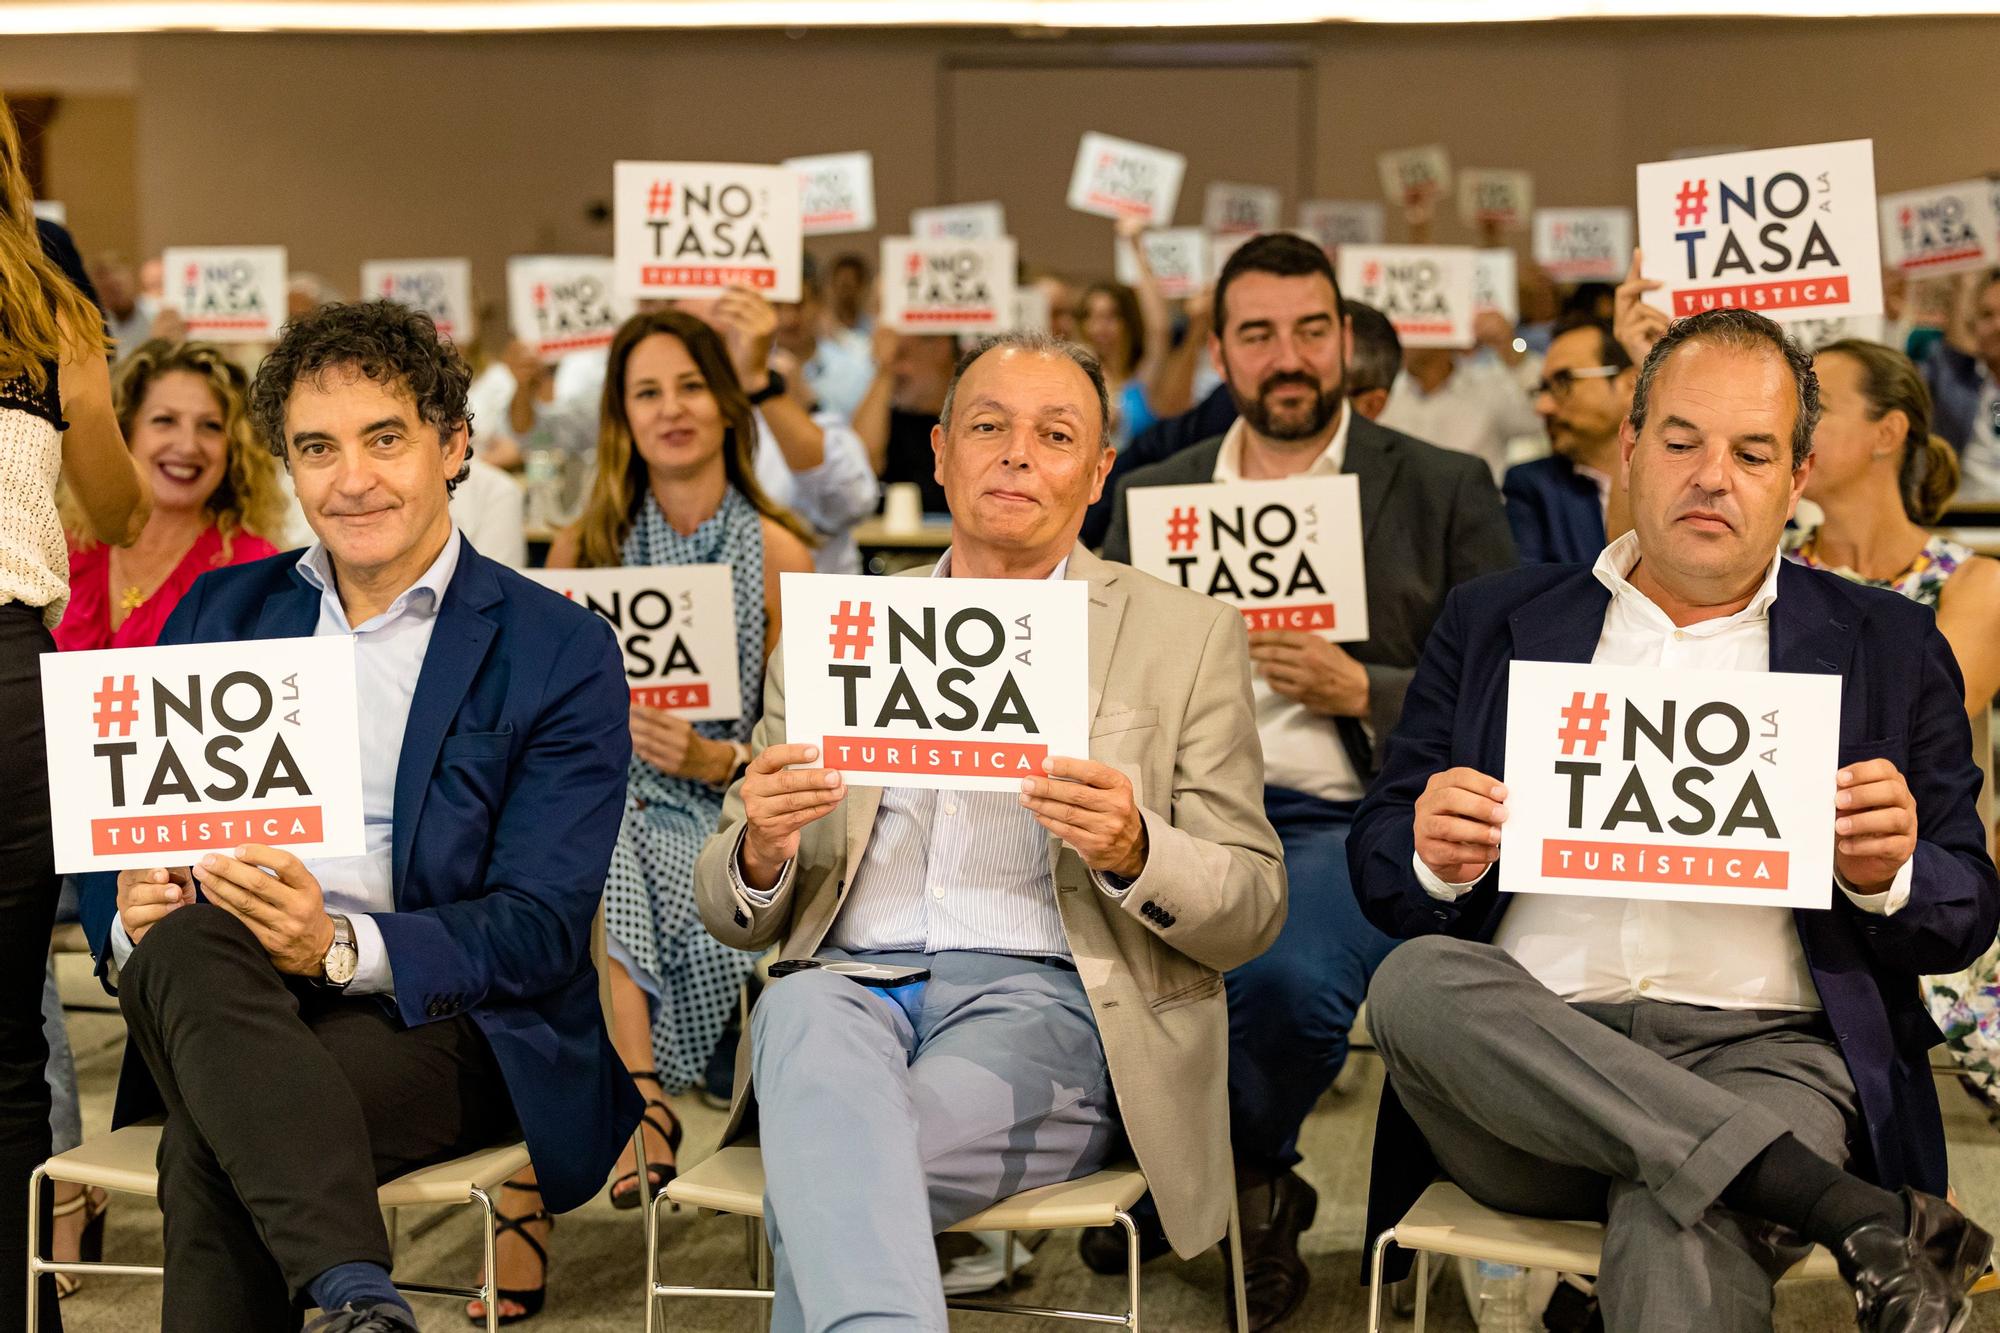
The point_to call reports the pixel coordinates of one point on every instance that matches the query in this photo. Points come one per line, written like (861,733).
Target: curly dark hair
(383,341)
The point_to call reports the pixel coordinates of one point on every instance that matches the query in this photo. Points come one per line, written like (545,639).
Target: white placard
(157,755)
(1285,553)
(941,683)
(836,192)
(947,286)
(1787,232)
(1490,198)
(694,228)
(1425,290)
(226,294)
(1411,175)
(1670,784)
(1031,310)
(1813,334)
(558,304)
(676,626)
(51,210)
(1337,222)
(1496,284)
(1116,178)
(1945,229)
(1583,244)
(1178,257)
(441,288)
(985,221)
(1229,209)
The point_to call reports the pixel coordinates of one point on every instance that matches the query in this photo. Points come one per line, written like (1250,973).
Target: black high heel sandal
(530,1299)
(658,1174)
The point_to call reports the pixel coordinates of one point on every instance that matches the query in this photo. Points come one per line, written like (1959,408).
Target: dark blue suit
(509,793)
(1900,700)
(1554,511)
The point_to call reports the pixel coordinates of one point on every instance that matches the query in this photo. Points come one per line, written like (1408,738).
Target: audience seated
(1556,505)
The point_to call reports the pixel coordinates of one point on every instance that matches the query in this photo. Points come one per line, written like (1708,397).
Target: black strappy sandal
(658,1174)
(530,1299)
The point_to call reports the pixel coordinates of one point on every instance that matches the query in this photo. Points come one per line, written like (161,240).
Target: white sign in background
(157,755)
(1178,257)
(559,304)
(985,221)
(1337,222)
(226,294)
(1488,197)
(695,228)
(1583,244)
(1945,229)
(1496,283)
(1411,175)
(943,683)
(1232,209)
(441,288)
(676,627)
(836,193)
(1116,178)
(947,286)
(1787,232)
(1285,553)
(1670,784)
(1425,290)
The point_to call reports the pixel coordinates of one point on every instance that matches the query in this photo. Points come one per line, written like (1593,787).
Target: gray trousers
(1638,1115)
(887,1116)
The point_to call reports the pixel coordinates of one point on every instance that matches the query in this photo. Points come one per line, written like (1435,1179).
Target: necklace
(132,596)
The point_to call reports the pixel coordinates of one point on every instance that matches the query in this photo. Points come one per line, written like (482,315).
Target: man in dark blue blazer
(310,1028)
(1720,1084)
(1556,505)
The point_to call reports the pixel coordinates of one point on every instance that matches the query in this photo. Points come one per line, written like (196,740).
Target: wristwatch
(739,760)
(342,956)
(774,384)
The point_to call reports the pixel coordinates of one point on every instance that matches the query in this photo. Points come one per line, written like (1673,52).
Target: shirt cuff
(756,897)
(1888,902)
(1111,886)
(1443,889)
(371,964)
(121,943)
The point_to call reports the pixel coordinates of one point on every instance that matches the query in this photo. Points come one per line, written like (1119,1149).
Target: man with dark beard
(1430,519)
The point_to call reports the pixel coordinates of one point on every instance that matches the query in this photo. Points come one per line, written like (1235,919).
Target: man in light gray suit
(1075,932)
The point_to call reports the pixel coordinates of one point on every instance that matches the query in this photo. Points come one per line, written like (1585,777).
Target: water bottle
(1503,1299)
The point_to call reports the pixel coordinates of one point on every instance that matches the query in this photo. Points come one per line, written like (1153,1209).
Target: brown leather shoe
(1275,1212)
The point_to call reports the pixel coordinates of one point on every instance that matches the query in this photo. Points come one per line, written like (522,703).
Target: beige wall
(347,148)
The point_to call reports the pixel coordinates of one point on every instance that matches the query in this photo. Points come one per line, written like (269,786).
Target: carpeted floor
(598,1260)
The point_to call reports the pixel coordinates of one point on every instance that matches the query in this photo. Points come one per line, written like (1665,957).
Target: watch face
(340,963)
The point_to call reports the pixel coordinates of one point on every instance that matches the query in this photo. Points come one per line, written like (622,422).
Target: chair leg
(1007,1262)
(652,1229)
(1236,1267)
(764,1274)
(1423,1290)
(1131,1269)
(489,1286)
(35,1182)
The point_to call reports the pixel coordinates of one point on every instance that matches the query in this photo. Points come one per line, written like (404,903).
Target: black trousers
(28,888)
(286,1106)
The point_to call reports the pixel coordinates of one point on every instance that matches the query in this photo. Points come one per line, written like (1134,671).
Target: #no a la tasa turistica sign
(676,629)
(696,228)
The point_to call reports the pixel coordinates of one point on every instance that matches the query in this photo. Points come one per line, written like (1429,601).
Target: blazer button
(1167,920)
(741,919)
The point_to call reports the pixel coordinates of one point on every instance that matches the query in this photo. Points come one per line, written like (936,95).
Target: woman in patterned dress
(675,486)
(1880,476)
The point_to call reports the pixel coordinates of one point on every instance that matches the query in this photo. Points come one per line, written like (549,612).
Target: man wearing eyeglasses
(1557,505)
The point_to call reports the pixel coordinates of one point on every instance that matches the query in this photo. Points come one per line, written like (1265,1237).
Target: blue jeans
(1290,1008)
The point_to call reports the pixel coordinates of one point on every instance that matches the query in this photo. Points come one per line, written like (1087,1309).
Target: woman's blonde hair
(622,479)
(249,497)
(43,317)
(1927,477)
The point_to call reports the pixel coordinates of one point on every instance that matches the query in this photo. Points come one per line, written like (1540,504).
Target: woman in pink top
(216,495)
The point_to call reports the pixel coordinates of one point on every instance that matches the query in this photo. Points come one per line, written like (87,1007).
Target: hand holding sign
(284,909)
(748,324)
(1636,322)
(1457,824)
(1876,829)
(1307,669)
(670,743)
(147,896)
(778,802)
(1090,806)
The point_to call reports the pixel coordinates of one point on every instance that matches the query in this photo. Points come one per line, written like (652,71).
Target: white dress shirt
(1302,748)
(1620,950)
(1979,461)
(1476,411)
(389,651)
(491,509)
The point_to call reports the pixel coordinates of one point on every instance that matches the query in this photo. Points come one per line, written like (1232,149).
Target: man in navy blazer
(311,1028)
(1719,1083)
(1556,505)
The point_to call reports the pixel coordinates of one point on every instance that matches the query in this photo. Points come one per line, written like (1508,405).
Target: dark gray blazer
(1430,520)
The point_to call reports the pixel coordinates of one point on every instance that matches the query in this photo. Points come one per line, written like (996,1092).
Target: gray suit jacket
(1430,520)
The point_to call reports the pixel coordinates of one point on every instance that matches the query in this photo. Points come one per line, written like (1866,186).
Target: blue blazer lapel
(1563,624)
(1811,631)
(291,614)
(458,646)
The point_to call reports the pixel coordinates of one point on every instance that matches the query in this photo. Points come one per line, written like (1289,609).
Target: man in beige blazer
(1075,933)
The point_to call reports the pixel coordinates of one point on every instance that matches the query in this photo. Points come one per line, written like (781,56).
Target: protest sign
(1489,198)
(1670,784)
(941,683)
(562,303)
(157,755)
(836,193)
(1337,222)
(226,294)
(1945,229)
(1813,334)
(1116,178)
(1496,284)
(694,228)
(441,288)
(1286,553)
(947,286)
(1031,310)
(1229,209)
(676,626)
(959,222)
(1786,232)
(1412,175)
(1178,257)
(1425,290)
(1583,244)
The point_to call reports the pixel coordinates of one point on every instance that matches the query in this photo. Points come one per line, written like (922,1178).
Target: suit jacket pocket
(1896,749)
(1130,719)
(477,745)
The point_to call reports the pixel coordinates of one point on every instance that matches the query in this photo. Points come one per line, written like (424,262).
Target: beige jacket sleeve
(732,917)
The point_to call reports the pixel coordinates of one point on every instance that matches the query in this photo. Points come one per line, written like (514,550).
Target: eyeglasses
(1559,384)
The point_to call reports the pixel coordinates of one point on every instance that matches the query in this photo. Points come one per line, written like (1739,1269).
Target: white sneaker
(970,1274)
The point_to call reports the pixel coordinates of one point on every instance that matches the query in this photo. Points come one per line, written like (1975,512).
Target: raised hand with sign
(284,909)
(1876,828)
(1089,806)
(778,802)
(1636,322)
(748,325)
(1457,824)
